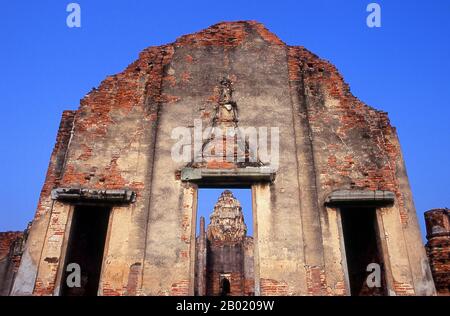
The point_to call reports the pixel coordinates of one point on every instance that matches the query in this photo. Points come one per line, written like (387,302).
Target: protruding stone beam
(360,197)
(249,174)
(93,195)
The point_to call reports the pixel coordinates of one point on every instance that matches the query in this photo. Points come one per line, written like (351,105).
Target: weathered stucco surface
(120,138)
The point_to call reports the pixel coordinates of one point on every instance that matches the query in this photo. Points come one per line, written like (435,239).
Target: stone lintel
(249,174)
(360,197)
(93,195)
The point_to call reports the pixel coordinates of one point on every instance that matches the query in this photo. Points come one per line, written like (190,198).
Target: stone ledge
(248,174)
(93,195)
(348,197)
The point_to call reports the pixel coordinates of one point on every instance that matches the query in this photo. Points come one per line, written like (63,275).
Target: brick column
(438,248)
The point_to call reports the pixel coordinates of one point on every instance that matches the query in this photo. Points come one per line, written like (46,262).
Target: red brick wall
(133,279)
(138,85)
(273,287)
(438,248)
(6,241)
(230,262)
(180,288)
(56,165)
(316,281)
(10,256)
(362,149)
(221,261)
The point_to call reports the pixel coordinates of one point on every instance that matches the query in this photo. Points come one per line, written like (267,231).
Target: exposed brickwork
(438,248)
(227,35)
(57,160)
(107,291)
(7,239)
(11,247)
(180,288)
(340,289)
(133,279)
(56,231)
(273,288)
(266,34)
(119,138)
(229,252)
(316,281)
(362,150)
(138,86)
(403,289)
(11,250)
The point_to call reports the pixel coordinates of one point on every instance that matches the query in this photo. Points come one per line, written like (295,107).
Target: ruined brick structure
(115,201)
(11,249)
(225,252)
(438,248)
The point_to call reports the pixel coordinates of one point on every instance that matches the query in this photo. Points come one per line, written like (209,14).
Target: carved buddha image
(227,107)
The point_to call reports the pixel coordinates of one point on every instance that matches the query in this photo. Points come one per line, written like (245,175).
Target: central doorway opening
(85,248)
(224,242)
(225,287)
(363,251)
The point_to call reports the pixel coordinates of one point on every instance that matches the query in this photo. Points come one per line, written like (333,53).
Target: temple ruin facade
(331,202)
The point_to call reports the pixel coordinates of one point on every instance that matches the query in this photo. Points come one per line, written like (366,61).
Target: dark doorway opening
(225,287)
(85,248)
(362,248)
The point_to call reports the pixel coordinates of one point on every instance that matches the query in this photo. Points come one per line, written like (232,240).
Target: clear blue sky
(402,68)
